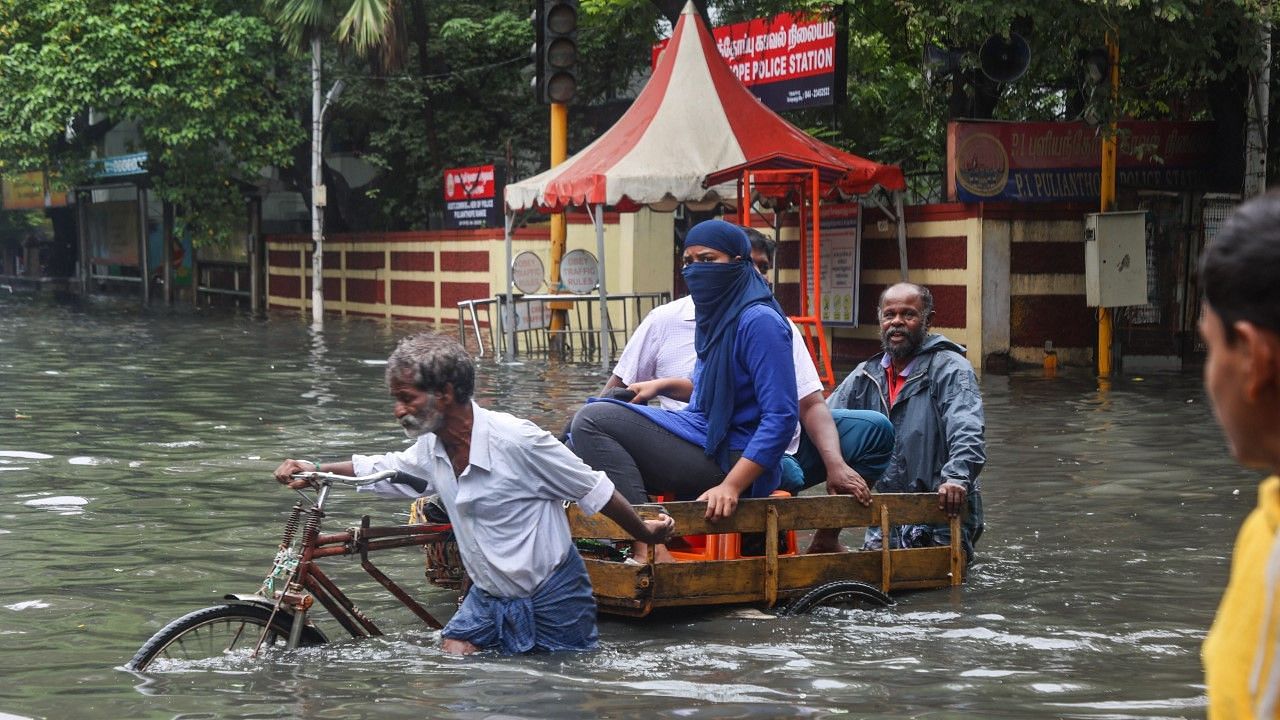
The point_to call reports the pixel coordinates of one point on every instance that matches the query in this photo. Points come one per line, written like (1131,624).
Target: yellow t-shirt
(1242,651)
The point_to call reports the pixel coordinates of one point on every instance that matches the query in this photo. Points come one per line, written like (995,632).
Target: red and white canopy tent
(687,139)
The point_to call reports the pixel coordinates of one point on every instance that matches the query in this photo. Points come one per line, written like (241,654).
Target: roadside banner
(116,166)
(1062,161)
(29,191)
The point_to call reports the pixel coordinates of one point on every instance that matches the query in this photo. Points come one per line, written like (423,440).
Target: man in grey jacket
(929,391)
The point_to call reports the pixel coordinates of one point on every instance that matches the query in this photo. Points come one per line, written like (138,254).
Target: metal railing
(205,270)
(478,322)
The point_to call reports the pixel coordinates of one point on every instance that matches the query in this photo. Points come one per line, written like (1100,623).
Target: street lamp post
(319,106)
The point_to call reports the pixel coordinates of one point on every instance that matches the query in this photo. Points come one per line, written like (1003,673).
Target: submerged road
(135,456)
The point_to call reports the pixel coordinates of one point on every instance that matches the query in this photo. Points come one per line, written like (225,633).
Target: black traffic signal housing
(556,50)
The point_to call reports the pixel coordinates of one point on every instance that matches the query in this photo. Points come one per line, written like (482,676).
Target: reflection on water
(135,456)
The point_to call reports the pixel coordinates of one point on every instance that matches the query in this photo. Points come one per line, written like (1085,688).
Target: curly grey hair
(434,361)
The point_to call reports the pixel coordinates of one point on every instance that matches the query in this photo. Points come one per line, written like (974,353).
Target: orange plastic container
(726,546)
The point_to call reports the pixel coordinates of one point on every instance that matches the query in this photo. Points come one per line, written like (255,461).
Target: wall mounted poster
(840,263)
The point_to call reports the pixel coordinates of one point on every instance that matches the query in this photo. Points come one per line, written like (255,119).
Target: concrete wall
(1005,278)
(1046,293)
(423,275)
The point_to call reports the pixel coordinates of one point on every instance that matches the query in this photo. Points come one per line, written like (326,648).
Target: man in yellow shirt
(1240,323)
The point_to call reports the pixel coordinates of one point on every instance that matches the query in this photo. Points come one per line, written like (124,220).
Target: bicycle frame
(307,582)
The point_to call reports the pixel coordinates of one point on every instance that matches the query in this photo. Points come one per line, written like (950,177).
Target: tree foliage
(464,97)
(433,85)
(1180,60)
(196,76)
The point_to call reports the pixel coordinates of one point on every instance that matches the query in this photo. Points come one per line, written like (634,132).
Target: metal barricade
(478,323)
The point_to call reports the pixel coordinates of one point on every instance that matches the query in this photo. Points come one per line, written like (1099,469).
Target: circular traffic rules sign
(527,272)
(579,271)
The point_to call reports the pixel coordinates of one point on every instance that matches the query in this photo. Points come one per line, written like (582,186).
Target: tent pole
(605,334)
(902,233)
(509,328)
(777,239)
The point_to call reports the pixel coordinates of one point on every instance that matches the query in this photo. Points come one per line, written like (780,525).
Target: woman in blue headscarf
(729,440)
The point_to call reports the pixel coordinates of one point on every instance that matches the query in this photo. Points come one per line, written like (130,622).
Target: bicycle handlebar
(395,476)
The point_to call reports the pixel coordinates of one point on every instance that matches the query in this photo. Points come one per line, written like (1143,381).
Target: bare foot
(826,540)
(458,647)
(640,553)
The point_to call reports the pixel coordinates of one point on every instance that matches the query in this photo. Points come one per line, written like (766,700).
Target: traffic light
(556,50)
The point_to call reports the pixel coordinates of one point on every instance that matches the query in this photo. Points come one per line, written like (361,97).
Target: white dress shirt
(662,346)
(507,507)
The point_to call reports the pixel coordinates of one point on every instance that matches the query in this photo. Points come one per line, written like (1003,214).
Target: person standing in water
(1240,324)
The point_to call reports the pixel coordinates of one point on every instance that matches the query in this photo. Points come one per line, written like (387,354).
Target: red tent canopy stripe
(688,137)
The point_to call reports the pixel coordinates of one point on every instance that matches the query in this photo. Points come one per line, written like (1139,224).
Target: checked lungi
(560,615)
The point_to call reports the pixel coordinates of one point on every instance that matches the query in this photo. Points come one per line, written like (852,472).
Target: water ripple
(1100,507)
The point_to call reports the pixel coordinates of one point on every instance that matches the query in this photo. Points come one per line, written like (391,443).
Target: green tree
(370,26)
(195,75)
(1180,60)
(463,97)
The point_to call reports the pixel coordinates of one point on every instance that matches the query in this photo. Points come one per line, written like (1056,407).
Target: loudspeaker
(940,62)
(1097,66)
(1004,60)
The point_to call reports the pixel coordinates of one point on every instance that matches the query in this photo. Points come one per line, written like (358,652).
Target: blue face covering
(720,292)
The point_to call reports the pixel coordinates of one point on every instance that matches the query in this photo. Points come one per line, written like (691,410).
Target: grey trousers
(640,456)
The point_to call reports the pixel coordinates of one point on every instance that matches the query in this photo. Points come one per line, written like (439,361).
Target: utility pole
(1108,192)
(559,228)
(317,191)
(555,53)
(319,106)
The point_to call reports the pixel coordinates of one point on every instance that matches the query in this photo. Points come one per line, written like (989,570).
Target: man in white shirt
(503,482)
(823,448)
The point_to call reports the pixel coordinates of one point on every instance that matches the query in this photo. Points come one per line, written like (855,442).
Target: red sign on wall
(789,61)
(470,196)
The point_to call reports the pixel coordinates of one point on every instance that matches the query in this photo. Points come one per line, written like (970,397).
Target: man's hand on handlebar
(284,474)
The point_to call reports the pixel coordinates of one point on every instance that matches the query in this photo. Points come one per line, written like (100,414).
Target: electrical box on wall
(1115,259)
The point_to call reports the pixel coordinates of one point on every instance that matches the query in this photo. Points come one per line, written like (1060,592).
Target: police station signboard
(789,61)
(471,197)
(1062,161)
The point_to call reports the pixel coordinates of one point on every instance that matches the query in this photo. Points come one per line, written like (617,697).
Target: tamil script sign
(789,61)
(840,264)
(470,197)
(1058,161)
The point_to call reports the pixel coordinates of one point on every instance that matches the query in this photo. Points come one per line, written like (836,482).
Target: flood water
(135,456)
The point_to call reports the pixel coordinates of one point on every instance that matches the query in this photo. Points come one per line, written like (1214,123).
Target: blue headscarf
(721,291)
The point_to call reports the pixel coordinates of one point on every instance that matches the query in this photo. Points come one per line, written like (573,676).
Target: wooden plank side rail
(801,513)
(886,565)
(712,582)
(771,556)
(629,589)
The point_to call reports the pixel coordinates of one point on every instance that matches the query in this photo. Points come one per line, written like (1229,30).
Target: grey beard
(905,350)
(415,427)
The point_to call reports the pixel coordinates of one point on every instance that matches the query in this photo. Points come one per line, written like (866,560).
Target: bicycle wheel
(218,630)
(847,593)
